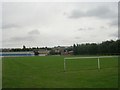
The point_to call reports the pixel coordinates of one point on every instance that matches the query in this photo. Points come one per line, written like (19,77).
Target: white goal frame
(97,57)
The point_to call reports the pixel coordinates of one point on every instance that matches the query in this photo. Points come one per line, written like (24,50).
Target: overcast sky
(61,23)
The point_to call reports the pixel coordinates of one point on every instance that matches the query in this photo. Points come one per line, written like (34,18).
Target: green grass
(48,72)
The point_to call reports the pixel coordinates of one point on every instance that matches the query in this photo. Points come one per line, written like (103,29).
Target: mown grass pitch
(48,72)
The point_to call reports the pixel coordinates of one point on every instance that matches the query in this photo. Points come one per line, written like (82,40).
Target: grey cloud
(99,12)
(89,28)
(77,37)
(19,39)
(103,27)
(77,14)
(30,37)
(34,32)
(9,26)
(114,34)
(80,29)
(114,23)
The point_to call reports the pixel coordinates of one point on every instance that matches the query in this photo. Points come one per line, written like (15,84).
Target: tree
(74,49)
(24,48)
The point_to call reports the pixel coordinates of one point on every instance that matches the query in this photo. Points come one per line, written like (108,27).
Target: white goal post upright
(98,63)
(97,57)
(64,65)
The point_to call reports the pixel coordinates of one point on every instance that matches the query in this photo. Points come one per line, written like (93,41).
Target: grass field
(48,72)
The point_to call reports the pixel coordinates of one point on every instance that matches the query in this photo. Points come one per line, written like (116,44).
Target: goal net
(77,63)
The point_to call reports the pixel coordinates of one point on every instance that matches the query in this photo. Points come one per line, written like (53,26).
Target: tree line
(25,49)
(105,48)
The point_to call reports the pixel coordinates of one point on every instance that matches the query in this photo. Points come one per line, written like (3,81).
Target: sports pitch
(48,72)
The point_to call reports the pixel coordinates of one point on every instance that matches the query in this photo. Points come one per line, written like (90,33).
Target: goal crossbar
(90,57)
(97,57)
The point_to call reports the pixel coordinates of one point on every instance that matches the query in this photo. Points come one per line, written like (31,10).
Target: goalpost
(97,57)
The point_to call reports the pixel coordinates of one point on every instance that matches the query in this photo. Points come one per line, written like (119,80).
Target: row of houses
(54,51)
(62,50)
